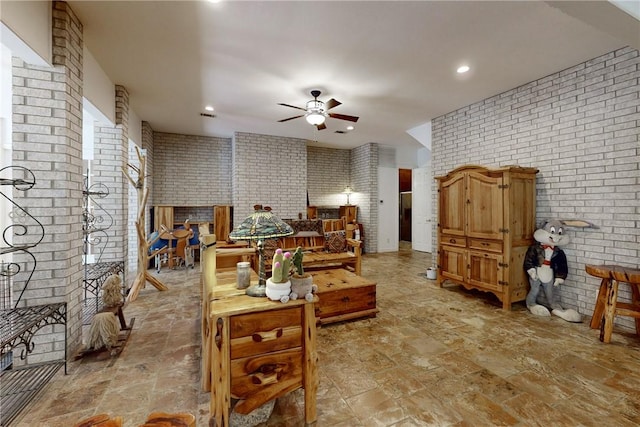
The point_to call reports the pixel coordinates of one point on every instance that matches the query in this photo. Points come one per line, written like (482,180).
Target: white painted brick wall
(271,171)
(364,179)
(190,170)
(328,174)
(47,139)
(110,157)
(580,127)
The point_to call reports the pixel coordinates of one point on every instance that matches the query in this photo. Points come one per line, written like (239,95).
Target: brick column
(47,139)
(111,154)
(364,178)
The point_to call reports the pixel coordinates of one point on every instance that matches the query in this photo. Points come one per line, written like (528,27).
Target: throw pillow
(335,241)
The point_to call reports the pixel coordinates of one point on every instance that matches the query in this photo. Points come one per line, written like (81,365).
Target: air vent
(208,115)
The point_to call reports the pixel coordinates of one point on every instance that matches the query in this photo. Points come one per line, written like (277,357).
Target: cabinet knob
(345,299)
(452,240)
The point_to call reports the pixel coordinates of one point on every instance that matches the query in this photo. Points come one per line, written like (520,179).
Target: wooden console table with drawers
(260,350)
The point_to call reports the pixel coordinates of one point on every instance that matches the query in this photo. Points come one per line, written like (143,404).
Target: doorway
(405,178)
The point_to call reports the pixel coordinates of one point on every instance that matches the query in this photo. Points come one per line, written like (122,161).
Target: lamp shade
(261,224)
(315,118)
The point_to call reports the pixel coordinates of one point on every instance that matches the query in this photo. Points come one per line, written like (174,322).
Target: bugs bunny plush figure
(546,265)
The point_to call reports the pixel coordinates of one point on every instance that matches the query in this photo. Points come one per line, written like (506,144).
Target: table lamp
(348,191)
(262,224)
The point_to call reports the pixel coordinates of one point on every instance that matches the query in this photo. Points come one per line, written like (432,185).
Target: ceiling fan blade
(332,103)
(292,106)
(344,117)
(290,118)
(321,126)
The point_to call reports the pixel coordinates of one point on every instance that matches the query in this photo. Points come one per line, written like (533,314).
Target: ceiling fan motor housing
(315,106)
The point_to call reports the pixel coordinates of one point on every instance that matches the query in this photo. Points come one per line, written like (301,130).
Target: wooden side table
(261,350)
(607,305)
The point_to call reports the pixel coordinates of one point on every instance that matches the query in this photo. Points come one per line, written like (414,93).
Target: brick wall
(110,156)
(328,173)
(131,263)
(47,139)
(190,170)
(364,179)
(269,170)
(134,194)
(580,127)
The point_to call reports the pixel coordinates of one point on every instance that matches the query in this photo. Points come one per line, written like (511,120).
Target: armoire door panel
(452,263)
(484,206)
(485,270)
(452,196)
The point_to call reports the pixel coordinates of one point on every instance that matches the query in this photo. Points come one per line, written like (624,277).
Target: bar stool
(607,305)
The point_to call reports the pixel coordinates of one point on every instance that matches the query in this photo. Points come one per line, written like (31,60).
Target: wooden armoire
(486,220)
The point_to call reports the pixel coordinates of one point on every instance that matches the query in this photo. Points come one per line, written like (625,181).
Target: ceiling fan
(317,111)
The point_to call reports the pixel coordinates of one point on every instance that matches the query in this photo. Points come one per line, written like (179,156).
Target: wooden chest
(343,295)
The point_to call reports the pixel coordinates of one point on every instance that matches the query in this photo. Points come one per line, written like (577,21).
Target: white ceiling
(391,63)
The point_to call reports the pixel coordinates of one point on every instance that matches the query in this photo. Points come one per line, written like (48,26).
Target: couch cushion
(335,241)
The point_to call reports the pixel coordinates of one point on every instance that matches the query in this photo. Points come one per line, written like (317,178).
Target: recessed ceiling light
(350,127)
(208,108)
(463,69)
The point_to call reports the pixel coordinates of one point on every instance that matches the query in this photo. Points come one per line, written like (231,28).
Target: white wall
(388,207)
(26,30)
(98,89)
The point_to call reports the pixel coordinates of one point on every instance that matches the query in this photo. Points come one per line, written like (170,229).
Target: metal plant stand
(19,323)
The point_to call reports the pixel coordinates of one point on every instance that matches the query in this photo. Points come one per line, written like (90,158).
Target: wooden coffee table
(343,296)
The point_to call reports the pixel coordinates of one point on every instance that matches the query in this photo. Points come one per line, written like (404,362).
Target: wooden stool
(607,305)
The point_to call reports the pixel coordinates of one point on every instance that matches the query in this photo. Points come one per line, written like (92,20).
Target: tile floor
(432,357)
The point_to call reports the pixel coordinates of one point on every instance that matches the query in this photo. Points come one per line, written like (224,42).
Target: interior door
(405,216)
(421,203)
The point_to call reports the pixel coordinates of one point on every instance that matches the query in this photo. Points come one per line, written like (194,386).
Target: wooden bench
(310,235)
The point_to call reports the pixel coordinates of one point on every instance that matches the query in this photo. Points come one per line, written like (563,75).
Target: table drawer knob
(267,336)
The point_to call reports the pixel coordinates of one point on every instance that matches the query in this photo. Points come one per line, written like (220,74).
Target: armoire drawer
(452,240)
(485,245)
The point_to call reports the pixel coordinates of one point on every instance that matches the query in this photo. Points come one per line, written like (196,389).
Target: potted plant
(301,283)
(279,285)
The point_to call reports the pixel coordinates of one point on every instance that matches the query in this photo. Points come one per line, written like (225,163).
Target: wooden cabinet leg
(220,372)
(606,329)
(311,365)
(598,312)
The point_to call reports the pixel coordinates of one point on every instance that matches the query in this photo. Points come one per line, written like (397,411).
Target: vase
(302,287)
(278,291)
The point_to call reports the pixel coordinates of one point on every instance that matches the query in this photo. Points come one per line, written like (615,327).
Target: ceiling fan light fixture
(315,118)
